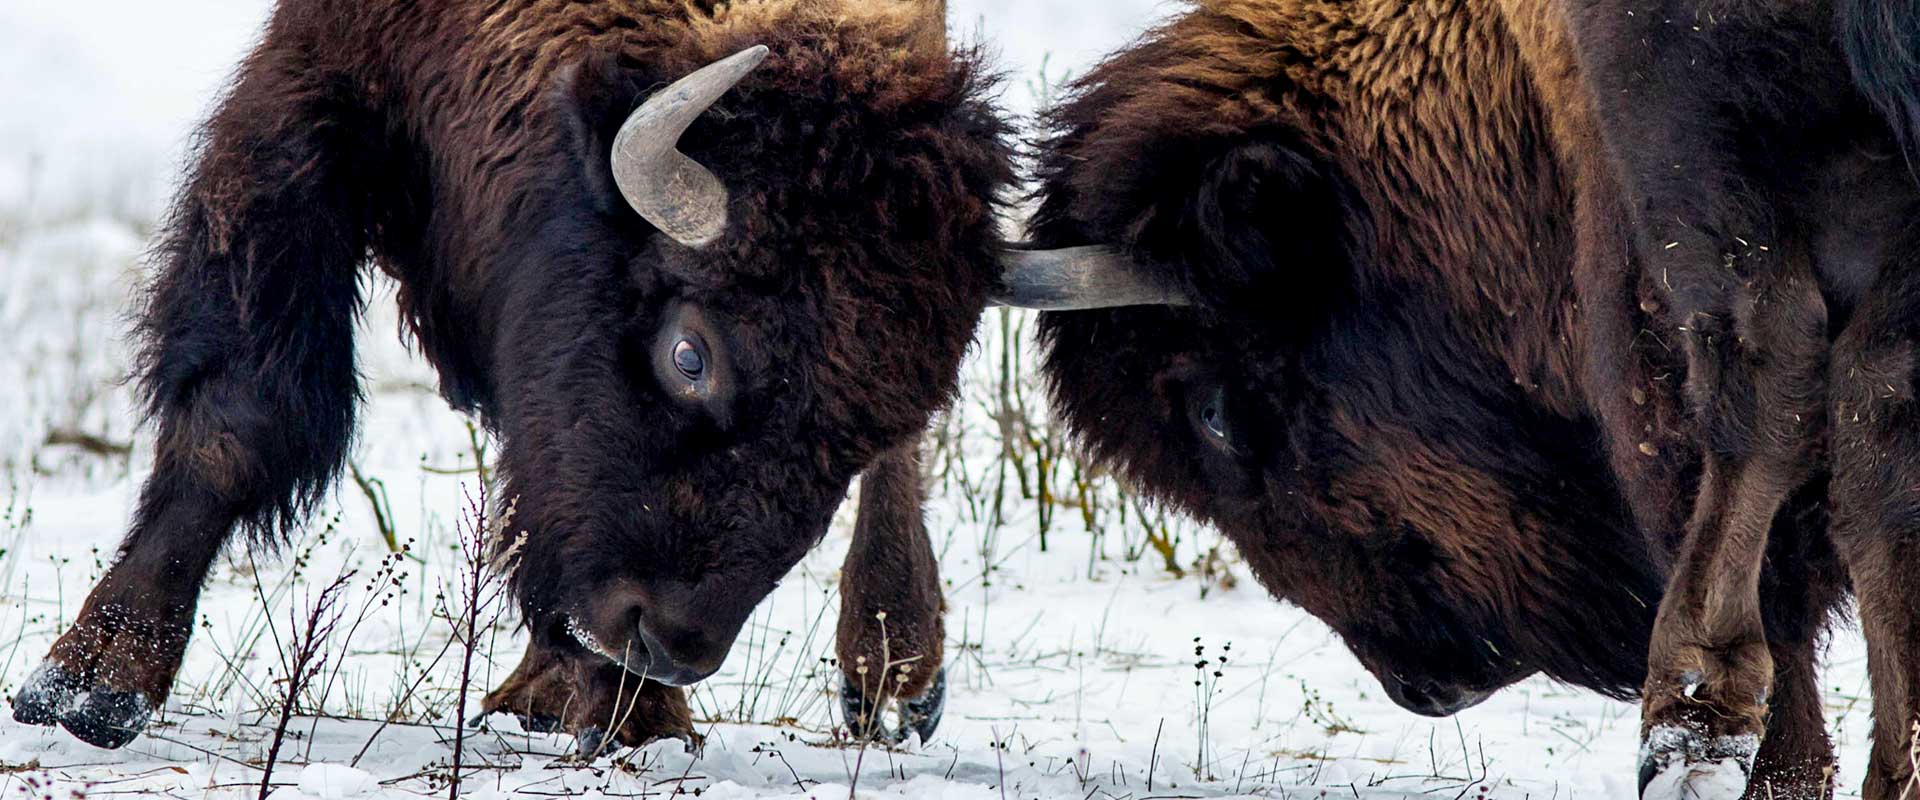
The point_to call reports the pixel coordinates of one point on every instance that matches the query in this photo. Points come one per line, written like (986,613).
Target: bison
(695,264)
(1765,153)
(1524,337)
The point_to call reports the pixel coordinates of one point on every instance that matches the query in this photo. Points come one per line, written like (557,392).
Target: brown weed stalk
(301,661)
(483,592)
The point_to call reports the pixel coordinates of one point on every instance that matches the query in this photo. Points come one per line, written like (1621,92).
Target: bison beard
(1514,321)
(678,406)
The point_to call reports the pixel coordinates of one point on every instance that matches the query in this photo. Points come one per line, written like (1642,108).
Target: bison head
(1250,335)
(759,277)
(1457,543)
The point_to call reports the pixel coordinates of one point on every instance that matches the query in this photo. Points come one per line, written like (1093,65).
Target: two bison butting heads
(1505,336)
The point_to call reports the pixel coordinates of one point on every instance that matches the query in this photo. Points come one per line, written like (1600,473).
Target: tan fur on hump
(911,23)
(900,51)
(923,23)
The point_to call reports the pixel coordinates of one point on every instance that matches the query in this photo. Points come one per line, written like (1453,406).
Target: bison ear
(592,98)
(1255,224)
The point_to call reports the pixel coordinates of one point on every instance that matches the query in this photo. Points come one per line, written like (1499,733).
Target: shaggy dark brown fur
(1434,385)
(1759,147)
(465,146)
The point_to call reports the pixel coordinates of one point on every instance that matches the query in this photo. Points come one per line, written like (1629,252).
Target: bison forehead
(875,359)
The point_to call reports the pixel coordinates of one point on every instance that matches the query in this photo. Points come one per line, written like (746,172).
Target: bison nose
(661,631)
(680,656)
(1431,698)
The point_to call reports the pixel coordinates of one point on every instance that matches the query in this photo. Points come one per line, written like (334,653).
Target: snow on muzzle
(664,632)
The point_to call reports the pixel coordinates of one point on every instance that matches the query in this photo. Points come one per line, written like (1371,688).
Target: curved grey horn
(680,197)
(1076,278)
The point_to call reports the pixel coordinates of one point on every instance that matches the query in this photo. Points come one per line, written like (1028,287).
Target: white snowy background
(1073,668)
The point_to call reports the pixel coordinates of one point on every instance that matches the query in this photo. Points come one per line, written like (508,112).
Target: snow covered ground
(1073,668)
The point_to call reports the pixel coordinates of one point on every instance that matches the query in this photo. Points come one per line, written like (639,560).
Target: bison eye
(1214,416)
(689,360)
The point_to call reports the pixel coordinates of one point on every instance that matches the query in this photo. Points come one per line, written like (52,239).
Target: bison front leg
(1756,376)
(891,637)
(1740,296)
(248,367)
(1795,760)
(560,688)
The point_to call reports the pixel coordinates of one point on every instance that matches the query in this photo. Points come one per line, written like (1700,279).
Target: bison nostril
(646,640)
(1430,697)
(678,662)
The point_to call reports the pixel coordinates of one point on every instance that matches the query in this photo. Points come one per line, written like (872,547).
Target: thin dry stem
(302,661)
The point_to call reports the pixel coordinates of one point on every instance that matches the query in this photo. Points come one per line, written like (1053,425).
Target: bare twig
(482,591)
(302,662)
(87,442)
(376,494)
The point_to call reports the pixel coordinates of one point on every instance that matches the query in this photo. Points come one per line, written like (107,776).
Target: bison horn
(1075,279)
(680,197)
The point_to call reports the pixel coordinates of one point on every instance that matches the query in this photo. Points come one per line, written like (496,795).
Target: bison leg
(1876,499)
(1795,760)
(559,688)
(247,365)
(1803,586)
(1742,300)
(891,637)
(1756,355)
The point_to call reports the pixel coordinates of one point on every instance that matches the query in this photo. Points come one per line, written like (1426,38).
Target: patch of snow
(336,782)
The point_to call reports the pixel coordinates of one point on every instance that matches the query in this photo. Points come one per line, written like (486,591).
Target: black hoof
(1649,767)
(920,715)
(864,718)
(587,744)
(97,715)
(48,693)
(1678,763)
(109,719)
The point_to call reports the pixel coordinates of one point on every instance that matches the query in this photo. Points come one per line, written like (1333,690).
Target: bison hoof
(921,715)
(1679,763)
(95,714)
(588,743)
